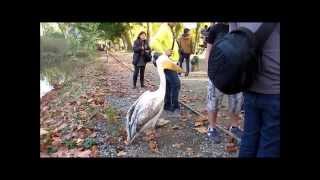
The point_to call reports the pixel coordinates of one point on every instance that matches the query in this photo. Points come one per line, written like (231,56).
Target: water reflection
(56,72)
(45,86)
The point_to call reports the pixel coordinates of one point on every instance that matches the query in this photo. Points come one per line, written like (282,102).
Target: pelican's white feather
(145,111)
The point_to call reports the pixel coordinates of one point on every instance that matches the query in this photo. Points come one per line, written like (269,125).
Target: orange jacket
(186,44)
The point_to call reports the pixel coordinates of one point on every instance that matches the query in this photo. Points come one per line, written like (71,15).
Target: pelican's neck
(162,87)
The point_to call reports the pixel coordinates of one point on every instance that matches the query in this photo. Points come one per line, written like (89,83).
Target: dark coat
(137,50)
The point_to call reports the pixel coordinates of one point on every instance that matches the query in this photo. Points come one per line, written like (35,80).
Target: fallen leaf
(189,150)
(231,148)
(93,135)
(43,132)
(90,100)
(201,129)
(149,132)
(232,140)
(83,97)
(184,119)
(94,151)
(201,119)
(56,141)
(153,146)
(79,141)
(83,114)
(111,140)
(62,152)
(198,123)
(79,127)
(121,153)
(43,147)
(74,134)
(150,135)
(63,125)
(45,108)
(85,153)
(67,137)
(162,122)
(177,145)
(43,155)
(175,127)
(72,102)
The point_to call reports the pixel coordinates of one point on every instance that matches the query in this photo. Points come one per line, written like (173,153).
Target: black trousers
(187,58)
(138,69)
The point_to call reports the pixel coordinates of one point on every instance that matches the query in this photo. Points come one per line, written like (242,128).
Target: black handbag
(147,57)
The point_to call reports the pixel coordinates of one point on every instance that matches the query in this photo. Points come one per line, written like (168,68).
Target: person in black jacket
(140,47)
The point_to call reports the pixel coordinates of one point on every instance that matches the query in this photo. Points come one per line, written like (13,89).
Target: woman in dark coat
(140,47)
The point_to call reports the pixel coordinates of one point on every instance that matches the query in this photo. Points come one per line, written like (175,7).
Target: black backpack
(234,59)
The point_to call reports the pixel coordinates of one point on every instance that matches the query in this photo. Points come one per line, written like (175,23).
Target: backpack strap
(263,33)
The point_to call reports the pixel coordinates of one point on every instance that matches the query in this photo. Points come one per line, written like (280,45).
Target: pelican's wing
(146,109)
(132,107)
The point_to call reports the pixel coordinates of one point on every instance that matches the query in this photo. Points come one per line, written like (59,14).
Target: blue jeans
(261,136)
(172,90)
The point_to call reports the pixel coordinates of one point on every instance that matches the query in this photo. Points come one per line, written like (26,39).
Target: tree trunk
(148,32)
(128,41)
(125,44)
(197,37)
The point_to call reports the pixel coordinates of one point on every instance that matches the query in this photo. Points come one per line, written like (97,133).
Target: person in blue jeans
(171,102)
(261,136)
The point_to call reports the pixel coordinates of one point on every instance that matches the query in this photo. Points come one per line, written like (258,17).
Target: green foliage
(54,45)
(71,144)
(82,54)
(110,113)
(88,143)
(111,30)
(52,149)
(178,29)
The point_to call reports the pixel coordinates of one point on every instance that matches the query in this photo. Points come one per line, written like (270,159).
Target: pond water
(45,86)
(58,71)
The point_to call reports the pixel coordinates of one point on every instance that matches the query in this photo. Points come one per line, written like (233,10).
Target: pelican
(146,110)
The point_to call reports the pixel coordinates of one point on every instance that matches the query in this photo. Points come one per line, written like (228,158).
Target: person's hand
(147,51)
(169,52)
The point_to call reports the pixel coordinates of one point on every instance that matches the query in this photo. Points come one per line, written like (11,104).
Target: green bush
(55,45)
(82,54)
(88,143)
(71,144)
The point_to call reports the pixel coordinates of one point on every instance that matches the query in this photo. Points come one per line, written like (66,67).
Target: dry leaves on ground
(121,153)
(178,145)
(201,129)
(162,122)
